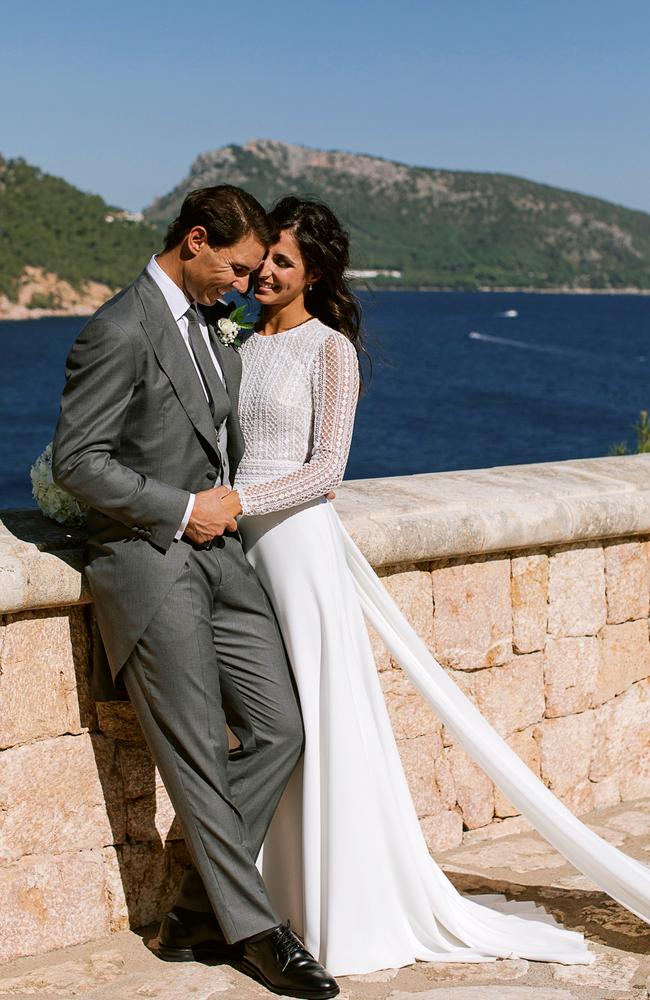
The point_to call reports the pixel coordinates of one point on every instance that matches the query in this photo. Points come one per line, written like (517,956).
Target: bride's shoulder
(327,336)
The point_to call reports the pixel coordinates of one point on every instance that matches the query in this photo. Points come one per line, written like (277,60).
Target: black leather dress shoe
(280,963)
(186,936)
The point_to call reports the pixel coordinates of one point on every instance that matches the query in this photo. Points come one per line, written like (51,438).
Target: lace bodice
(297,402)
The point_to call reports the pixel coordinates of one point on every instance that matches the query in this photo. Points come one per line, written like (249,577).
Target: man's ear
(195,239)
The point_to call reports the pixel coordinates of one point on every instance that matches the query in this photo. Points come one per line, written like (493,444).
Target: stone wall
(549,638)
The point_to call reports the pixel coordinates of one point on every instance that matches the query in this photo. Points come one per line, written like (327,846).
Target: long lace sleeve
(335,390)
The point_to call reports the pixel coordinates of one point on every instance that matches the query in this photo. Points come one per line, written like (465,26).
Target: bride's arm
(336,390)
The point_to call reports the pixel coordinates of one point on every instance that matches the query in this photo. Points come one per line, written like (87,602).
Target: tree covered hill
(442,228)
(47,223)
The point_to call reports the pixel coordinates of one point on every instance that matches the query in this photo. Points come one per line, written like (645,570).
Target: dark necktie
(211,381)
(208,372)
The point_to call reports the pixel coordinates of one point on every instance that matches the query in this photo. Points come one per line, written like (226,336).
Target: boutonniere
(229,327)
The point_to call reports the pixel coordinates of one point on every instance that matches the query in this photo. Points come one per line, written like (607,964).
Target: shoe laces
(286,945)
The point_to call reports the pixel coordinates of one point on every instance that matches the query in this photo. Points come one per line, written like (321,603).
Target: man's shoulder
(124,306)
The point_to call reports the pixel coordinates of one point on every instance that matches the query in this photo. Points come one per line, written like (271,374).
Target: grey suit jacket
(135,437)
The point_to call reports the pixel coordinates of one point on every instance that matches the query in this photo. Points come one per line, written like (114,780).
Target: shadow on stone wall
(147,856)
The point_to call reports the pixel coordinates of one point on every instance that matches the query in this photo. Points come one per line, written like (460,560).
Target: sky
(120,97)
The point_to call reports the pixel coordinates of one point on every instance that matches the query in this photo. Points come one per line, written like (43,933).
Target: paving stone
(382,976)
(488,993)
(609,971)
(504,970)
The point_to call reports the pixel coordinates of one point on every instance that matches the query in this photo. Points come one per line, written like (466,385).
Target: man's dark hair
(227,214)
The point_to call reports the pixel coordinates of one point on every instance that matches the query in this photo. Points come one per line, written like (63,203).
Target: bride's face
(282,277)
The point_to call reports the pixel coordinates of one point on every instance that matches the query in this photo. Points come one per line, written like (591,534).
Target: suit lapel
(164,336)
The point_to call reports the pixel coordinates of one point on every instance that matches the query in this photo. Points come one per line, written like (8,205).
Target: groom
(149,438)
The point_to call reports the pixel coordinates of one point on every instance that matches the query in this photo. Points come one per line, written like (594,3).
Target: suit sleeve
(101,373)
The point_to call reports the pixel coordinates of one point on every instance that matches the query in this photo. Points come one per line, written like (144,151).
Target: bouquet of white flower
(52,500)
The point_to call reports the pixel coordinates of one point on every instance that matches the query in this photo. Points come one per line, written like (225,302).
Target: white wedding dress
(345,859)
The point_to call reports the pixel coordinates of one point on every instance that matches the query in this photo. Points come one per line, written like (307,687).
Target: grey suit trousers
(213,656)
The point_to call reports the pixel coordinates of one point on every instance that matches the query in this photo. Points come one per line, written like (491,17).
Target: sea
(459,381)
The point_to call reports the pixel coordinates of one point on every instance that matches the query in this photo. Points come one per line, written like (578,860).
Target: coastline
(16,311)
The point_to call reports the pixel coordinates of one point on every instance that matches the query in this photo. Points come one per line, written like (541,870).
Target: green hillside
(439,227)
(46,222)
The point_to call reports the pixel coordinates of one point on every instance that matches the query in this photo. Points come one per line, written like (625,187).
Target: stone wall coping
(402,519)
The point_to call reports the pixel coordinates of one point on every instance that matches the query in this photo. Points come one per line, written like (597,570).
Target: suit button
(211,475)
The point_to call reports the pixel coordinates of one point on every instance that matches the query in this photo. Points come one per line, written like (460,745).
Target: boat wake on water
(542,348)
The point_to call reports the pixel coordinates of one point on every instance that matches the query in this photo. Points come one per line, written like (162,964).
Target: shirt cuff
(186,517)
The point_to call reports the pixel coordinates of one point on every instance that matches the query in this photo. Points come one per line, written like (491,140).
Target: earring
(309,288)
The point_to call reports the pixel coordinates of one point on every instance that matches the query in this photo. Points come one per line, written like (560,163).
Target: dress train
(345,858)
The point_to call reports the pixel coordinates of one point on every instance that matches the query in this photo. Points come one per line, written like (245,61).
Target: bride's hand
(331,495)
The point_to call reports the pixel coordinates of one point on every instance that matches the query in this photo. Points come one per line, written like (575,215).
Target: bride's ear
(313,277)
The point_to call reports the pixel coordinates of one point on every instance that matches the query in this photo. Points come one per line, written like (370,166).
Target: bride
(345,859)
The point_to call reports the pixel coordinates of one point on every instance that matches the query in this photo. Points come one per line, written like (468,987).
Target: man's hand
(212,515)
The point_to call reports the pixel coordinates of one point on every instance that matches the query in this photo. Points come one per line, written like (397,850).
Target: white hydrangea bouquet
(52,500)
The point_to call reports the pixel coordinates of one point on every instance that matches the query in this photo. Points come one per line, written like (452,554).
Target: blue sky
(120,97)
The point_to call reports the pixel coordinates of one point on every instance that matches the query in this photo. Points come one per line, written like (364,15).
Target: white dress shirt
(179,303)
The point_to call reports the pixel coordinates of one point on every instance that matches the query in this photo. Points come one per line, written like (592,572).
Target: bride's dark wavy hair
(325,248)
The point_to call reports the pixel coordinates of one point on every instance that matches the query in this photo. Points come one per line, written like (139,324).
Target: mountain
(441,228)
(61,249)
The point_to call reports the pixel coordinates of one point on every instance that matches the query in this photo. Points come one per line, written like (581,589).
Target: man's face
(209,273)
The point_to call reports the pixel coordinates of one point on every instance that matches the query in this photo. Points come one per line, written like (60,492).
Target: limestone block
(412,592)
(565,750)
(474,790)
(622,732)
(118,720)
(606,792)
(442,831)
(625,658)
(118,911)
(138,770)
(418,758)
(62,794)
(466,682)
(150,877)
(379,651)
(580,798)
(576,591)
(472,625)
(634,778)
(43,689)
(529,602)
(52,902)
(525,746)
(571,671)
(627,573)
(410,715)
(511,697)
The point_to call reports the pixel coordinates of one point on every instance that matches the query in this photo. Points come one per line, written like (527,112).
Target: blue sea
(460,381)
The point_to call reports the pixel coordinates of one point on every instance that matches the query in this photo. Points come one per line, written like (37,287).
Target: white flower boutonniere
(229,327)
(56,503)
